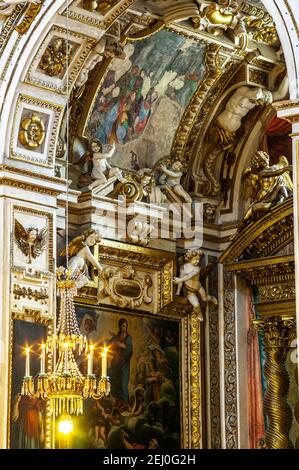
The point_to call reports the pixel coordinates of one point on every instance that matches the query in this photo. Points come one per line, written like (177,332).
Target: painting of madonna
(143,409)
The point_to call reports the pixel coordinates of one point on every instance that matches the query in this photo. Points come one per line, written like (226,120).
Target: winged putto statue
(32,241)
(190,279)
(80,255)
(265,185)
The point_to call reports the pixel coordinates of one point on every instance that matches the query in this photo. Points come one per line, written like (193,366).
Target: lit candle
(66,365)
(43,359)
(104,362)
(27,365)
(90,364)
(90,361)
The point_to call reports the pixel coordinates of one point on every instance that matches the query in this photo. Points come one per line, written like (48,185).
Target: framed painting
(147,407)
(27,415)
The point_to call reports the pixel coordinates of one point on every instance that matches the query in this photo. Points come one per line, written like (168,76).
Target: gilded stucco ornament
(8,6)
(55,59)
(32,132)
(216,17)
(32,241)
(266,185)
(243,22)
(99,5)
(190,278)
(124,288)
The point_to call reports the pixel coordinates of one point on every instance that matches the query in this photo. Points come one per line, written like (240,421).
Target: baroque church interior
(149,225)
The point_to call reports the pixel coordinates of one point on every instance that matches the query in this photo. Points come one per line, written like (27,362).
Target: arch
(286,19)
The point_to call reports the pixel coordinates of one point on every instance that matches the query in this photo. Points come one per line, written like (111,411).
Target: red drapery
(255,393)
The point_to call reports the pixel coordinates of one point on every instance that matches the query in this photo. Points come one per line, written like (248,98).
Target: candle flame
(27,349)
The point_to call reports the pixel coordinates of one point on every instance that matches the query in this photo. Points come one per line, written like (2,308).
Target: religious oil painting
(144,96)
(143,409)
(27,417)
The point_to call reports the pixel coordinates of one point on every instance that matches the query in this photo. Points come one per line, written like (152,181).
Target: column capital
(277,331)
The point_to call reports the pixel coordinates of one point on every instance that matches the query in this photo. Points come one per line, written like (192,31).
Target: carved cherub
(266,185)
(190,275)
(32,241)
(80,254)
(171,177)
(101,168)
(8,6)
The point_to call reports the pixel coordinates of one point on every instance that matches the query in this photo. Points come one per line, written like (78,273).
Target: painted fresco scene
(144,97)
(143,409)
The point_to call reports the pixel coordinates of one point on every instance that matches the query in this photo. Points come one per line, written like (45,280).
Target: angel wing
(282,162)
(205,271)
(250,185)
(87,156)
(74,246)
(40,242)
(21,235)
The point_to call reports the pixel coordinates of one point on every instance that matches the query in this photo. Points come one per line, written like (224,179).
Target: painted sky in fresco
(143,97)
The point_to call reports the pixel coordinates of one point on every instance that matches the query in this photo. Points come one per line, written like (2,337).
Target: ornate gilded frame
(191,344)
(190,368)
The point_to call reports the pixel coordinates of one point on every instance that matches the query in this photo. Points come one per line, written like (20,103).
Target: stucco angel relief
(32,241)
(265,185)
(8,6)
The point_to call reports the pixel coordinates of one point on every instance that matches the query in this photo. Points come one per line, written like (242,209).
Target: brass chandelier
(65,386)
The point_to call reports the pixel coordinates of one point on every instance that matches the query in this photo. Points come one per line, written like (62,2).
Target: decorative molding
(124,288)
(278,292)
(30,293)
(82,45)
(230,366)
(53,113)
(265,271)
(9,26)
(48,216)
(81,14)
(265,237)
(196,381)
(214,401)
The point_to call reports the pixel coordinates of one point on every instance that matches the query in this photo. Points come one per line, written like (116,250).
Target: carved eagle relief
(32,241)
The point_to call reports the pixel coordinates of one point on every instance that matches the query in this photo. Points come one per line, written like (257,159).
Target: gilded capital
(277,331)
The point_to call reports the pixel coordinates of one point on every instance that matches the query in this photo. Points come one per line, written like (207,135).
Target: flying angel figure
(80,254)
(32,241)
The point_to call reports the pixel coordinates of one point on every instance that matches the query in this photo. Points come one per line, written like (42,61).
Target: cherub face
(91,240)
(32,235)
(95,147)
(177,166)
(195,260)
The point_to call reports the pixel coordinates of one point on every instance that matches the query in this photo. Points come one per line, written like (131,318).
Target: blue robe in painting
(119,371)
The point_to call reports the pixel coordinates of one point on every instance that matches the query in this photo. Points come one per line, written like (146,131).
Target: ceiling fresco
(144,96)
